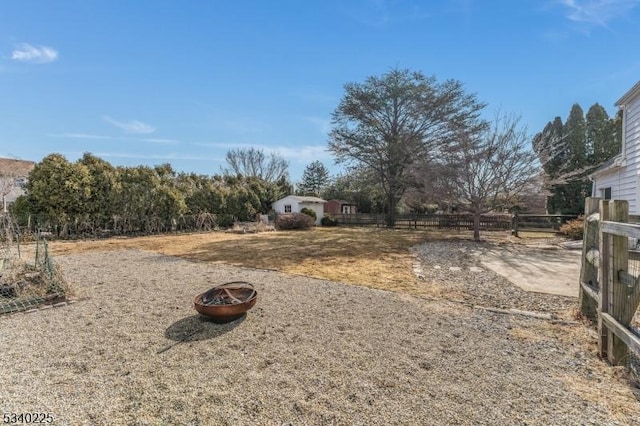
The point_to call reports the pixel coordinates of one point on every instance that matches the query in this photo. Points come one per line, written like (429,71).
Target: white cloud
(302,154)
(171,156)
(25,52)
(157,140)
(100,137)
(226,145)
(597,12)
(382,13)
(80,136)
(311,95)
(298,154)
(131,126)
(322,124)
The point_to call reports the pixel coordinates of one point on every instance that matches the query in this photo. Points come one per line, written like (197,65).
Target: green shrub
(294,221)
(328,220)
(573,228)
(309,212)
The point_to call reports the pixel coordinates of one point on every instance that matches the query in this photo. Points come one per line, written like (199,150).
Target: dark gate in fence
(539,222)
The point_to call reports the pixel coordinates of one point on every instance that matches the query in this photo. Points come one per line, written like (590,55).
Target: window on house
(287,208)
(606,193)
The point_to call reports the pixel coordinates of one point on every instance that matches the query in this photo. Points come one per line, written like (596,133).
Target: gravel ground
(483,287)
(131,351)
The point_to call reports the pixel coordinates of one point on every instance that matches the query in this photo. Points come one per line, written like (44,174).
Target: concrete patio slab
(551,270)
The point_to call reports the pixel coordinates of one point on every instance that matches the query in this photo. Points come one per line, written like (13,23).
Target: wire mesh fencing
(28,275)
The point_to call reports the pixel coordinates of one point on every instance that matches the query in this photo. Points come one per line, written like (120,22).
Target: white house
(295,203)
(619,178)
(13,179)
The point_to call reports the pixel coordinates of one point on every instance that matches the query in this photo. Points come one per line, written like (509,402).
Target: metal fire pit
(226,302)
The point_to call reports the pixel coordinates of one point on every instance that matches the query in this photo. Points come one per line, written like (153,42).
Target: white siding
(623,184)
(631,131)
(625,181)
(316,207)
(278,206)
(296,206)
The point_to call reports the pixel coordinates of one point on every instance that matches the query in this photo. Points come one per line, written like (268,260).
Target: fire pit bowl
(226,302)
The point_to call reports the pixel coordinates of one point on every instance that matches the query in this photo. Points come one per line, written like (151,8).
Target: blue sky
(149,82)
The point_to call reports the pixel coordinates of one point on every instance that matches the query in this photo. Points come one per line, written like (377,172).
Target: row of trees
(571,150)
(92,194)
(400,134)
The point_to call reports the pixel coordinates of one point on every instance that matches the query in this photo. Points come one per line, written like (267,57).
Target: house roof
(611,163)
(635,90)
(302,199)
(17,168)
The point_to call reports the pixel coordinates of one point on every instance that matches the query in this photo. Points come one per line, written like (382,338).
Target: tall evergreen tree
(575,136)
(599,134)
(569,152)
(59,190)
(315,179)
(572,185)
(617,134)
(104,185)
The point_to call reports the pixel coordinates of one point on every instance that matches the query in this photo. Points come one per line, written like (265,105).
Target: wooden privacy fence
(610,276)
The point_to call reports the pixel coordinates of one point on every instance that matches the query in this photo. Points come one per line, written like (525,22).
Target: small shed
(295,203)
(340,207)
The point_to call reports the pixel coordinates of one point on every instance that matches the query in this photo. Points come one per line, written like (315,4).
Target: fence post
(588,307)
(514,225)
(616,349)
(604,279)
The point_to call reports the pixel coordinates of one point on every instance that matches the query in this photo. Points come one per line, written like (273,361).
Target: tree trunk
(391,211)
(476,226)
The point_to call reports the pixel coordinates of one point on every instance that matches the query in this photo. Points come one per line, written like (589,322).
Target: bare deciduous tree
(253,162)
(7,184)
(491,168)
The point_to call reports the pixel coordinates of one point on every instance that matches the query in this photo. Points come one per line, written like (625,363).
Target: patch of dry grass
(595,387)
(537,234)
(372,257)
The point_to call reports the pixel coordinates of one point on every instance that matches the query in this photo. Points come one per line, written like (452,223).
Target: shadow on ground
(196,328)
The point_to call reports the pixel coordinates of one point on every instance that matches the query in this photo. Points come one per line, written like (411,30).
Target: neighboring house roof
(17,168)
(635,90)
(301,199)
